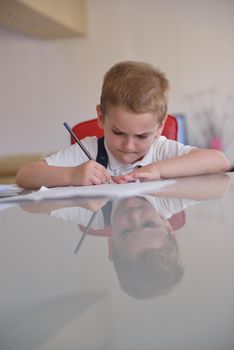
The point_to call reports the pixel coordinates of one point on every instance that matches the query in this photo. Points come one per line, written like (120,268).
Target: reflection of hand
(89,173)
(94,204)
(46,207)
(146,173)
(198,187)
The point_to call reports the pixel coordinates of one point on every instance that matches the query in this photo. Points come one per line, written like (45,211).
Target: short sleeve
(166,149)
(167,207)
(79,216)
(73,155)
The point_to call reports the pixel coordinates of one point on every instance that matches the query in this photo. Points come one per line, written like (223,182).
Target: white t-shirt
(161,149)
(165,207)
(78,215)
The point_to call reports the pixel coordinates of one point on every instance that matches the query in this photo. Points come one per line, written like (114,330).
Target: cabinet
(48,19)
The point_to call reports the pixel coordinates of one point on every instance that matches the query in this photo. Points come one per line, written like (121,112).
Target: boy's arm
(35,175)
(196,162)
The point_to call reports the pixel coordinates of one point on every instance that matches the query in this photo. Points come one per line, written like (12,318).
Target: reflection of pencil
(85,232)
(78,141)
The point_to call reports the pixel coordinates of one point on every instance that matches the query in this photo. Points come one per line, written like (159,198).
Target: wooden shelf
(48,19)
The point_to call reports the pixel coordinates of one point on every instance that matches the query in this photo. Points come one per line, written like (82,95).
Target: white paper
(9,190)
(112,190)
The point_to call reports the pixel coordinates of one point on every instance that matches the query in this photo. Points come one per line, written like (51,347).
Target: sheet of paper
(10,190)
(106,190)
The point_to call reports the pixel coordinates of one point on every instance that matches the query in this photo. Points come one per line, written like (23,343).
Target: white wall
(43,83)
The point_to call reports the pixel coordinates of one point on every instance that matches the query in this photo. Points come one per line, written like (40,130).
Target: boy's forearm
(39,174)
(196,162)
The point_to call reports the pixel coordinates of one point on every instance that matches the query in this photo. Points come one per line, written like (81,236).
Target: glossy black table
(151,272)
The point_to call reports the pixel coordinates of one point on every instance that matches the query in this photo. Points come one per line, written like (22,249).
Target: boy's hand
(89,173)
(146,173)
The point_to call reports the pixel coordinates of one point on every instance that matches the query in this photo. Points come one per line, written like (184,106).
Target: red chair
(90,128)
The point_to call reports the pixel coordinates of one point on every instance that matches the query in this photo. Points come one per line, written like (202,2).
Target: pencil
(78,141)
(85,232)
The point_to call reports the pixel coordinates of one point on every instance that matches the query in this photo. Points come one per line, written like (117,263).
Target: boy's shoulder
(74,155)
(164,148)
(91,144)
(90,140)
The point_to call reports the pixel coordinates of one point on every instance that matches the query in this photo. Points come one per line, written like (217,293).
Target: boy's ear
(168,227)
(100,116)
(160,129)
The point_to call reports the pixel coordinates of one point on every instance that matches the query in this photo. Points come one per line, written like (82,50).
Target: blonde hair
(136,86)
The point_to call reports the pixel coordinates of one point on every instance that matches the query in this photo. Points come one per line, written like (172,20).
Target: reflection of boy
(142,245)
(143,249)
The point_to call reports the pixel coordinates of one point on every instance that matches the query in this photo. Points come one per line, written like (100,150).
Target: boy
(132,112)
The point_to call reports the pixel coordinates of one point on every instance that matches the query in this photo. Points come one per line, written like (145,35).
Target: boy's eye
(142,136)
(117,132)
(126,232)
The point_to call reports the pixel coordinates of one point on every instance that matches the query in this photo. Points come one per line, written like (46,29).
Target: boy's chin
(127,159)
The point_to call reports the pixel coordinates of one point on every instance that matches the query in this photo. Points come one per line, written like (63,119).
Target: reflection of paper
(106,190)
(4,206)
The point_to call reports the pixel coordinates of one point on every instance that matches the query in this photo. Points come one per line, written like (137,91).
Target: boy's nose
(128,144)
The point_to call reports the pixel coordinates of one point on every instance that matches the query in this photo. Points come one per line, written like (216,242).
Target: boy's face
(128,135)
(136,226)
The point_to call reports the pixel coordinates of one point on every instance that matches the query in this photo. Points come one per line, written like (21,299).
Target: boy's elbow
(224,162)
(25,175)
(215,161)
(19,178)
(28,176)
